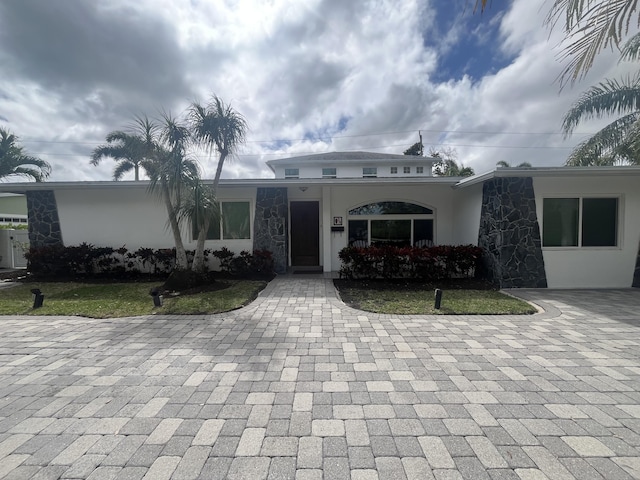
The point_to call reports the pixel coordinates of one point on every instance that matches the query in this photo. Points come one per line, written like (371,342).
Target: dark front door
(305,234)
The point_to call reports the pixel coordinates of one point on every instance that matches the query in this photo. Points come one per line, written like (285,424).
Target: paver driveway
(299,386)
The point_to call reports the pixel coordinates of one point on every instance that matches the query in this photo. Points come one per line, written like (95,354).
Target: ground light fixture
(438,299)
(155,295)
(38,297)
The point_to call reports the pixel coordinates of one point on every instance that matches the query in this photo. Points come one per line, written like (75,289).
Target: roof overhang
(22,188)
(558,172)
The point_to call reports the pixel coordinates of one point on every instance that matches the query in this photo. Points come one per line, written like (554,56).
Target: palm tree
(619,142)
(446,164)
(219,128)
(127,149)
(14,161)
(504,164)
(172,175)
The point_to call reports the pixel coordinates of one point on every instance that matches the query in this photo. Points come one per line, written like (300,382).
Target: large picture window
(232,224)
(391,223)
(580,222)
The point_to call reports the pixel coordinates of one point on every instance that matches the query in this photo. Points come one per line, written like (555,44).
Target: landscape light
(38,297)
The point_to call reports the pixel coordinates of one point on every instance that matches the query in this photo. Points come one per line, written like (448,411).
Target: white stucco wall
(343,198)
(593,267)
(355,171)
(130,216)
(467,208)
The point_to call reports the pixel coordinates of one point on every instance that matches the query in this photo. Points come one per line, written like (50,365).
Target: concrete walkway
(299,386)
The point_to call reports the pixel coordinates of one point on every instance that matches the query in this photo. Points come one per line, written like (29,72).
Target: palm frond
(607,98)
(590,26)
(122,168)
(631,49)
(608,146)
(14,160)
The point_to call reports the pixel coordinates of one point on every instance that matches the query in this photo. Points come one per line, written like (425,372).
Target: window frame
(222,238)
(406,170)
(329,175)
(393,170)
(580,222)
(412,217)
(419,170)
(288,173)
(372,172)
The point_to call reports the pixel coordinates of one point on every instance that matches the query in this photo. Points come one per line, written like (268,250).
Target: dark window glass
(560,222)
(235,220)
(599,222)
(423,233)
(329,172)
(358,233)
(391,208)
(396,232)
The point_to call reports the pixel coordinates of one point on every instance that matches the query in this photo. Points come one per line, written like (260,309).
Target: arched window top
(391,208)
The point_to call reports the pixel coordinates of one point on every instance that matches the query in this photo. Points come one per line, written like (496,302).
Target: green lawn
(419,300)
(108,300)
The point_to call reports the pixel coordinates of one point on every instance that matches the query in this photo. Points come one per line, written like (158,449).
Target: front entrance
(305,234)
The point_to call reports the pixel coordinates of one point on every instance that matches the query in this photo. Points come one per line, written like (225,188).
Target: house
(13,237)
(555,227)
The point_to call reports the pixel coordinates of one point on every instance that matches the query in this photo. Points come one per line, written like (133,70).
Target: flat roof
(456,182)
(257,182)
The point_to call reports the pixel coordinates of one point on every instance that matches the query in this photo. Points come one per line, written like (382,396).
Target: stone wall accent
(510,234)
(636,272)
(44,224)
(271,225)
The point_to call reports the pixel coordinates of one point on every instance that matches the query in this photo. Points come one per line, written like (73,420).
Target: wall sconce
(303,189)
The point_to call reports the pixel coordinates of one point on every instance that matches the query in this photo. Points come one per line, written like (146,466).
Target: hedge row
(426,263)
(88,260)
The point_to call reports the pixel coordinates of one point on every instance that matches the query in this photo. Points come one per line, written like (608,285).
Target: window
(291,173)
(394,223)
(233,224)
(419,169)
(328,173)
(580,222)
(406,170)
(394,170)
(369,172)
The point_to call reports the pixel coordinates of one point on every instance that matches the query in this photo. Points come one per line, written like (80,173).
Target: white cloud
(356,71)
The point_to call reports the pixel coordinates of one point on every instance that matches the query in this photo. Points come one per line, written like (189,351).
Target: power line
(332,137)
(519,147)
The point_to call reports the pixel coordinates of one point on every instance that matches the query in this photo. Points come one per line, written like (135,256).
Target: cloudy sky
(309,76)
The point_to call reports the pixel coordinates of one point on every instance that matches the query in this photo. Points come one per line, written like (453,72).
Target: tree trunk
(181,255)
(198,258)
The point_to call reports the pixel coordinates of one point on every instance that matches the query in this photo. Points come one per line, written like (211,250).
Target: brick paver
(299,386)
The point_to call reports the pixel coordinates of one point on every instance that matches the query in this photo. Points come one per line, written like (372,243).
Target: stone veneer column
(510,234)
(636,272)
(271,229)
(43,221)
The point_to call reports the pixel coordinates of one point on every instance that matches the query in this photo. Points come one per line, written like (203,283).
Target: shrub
(88,260)
(426,263)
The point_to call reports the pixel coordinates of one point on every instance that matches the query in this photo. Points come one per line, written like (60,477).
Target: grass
(108,300)
(419,299)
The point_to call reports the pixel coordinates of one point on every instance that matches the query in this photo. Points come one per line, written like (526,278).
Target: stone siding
(44,224)
(510,234)
(636,272)
(271,228)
